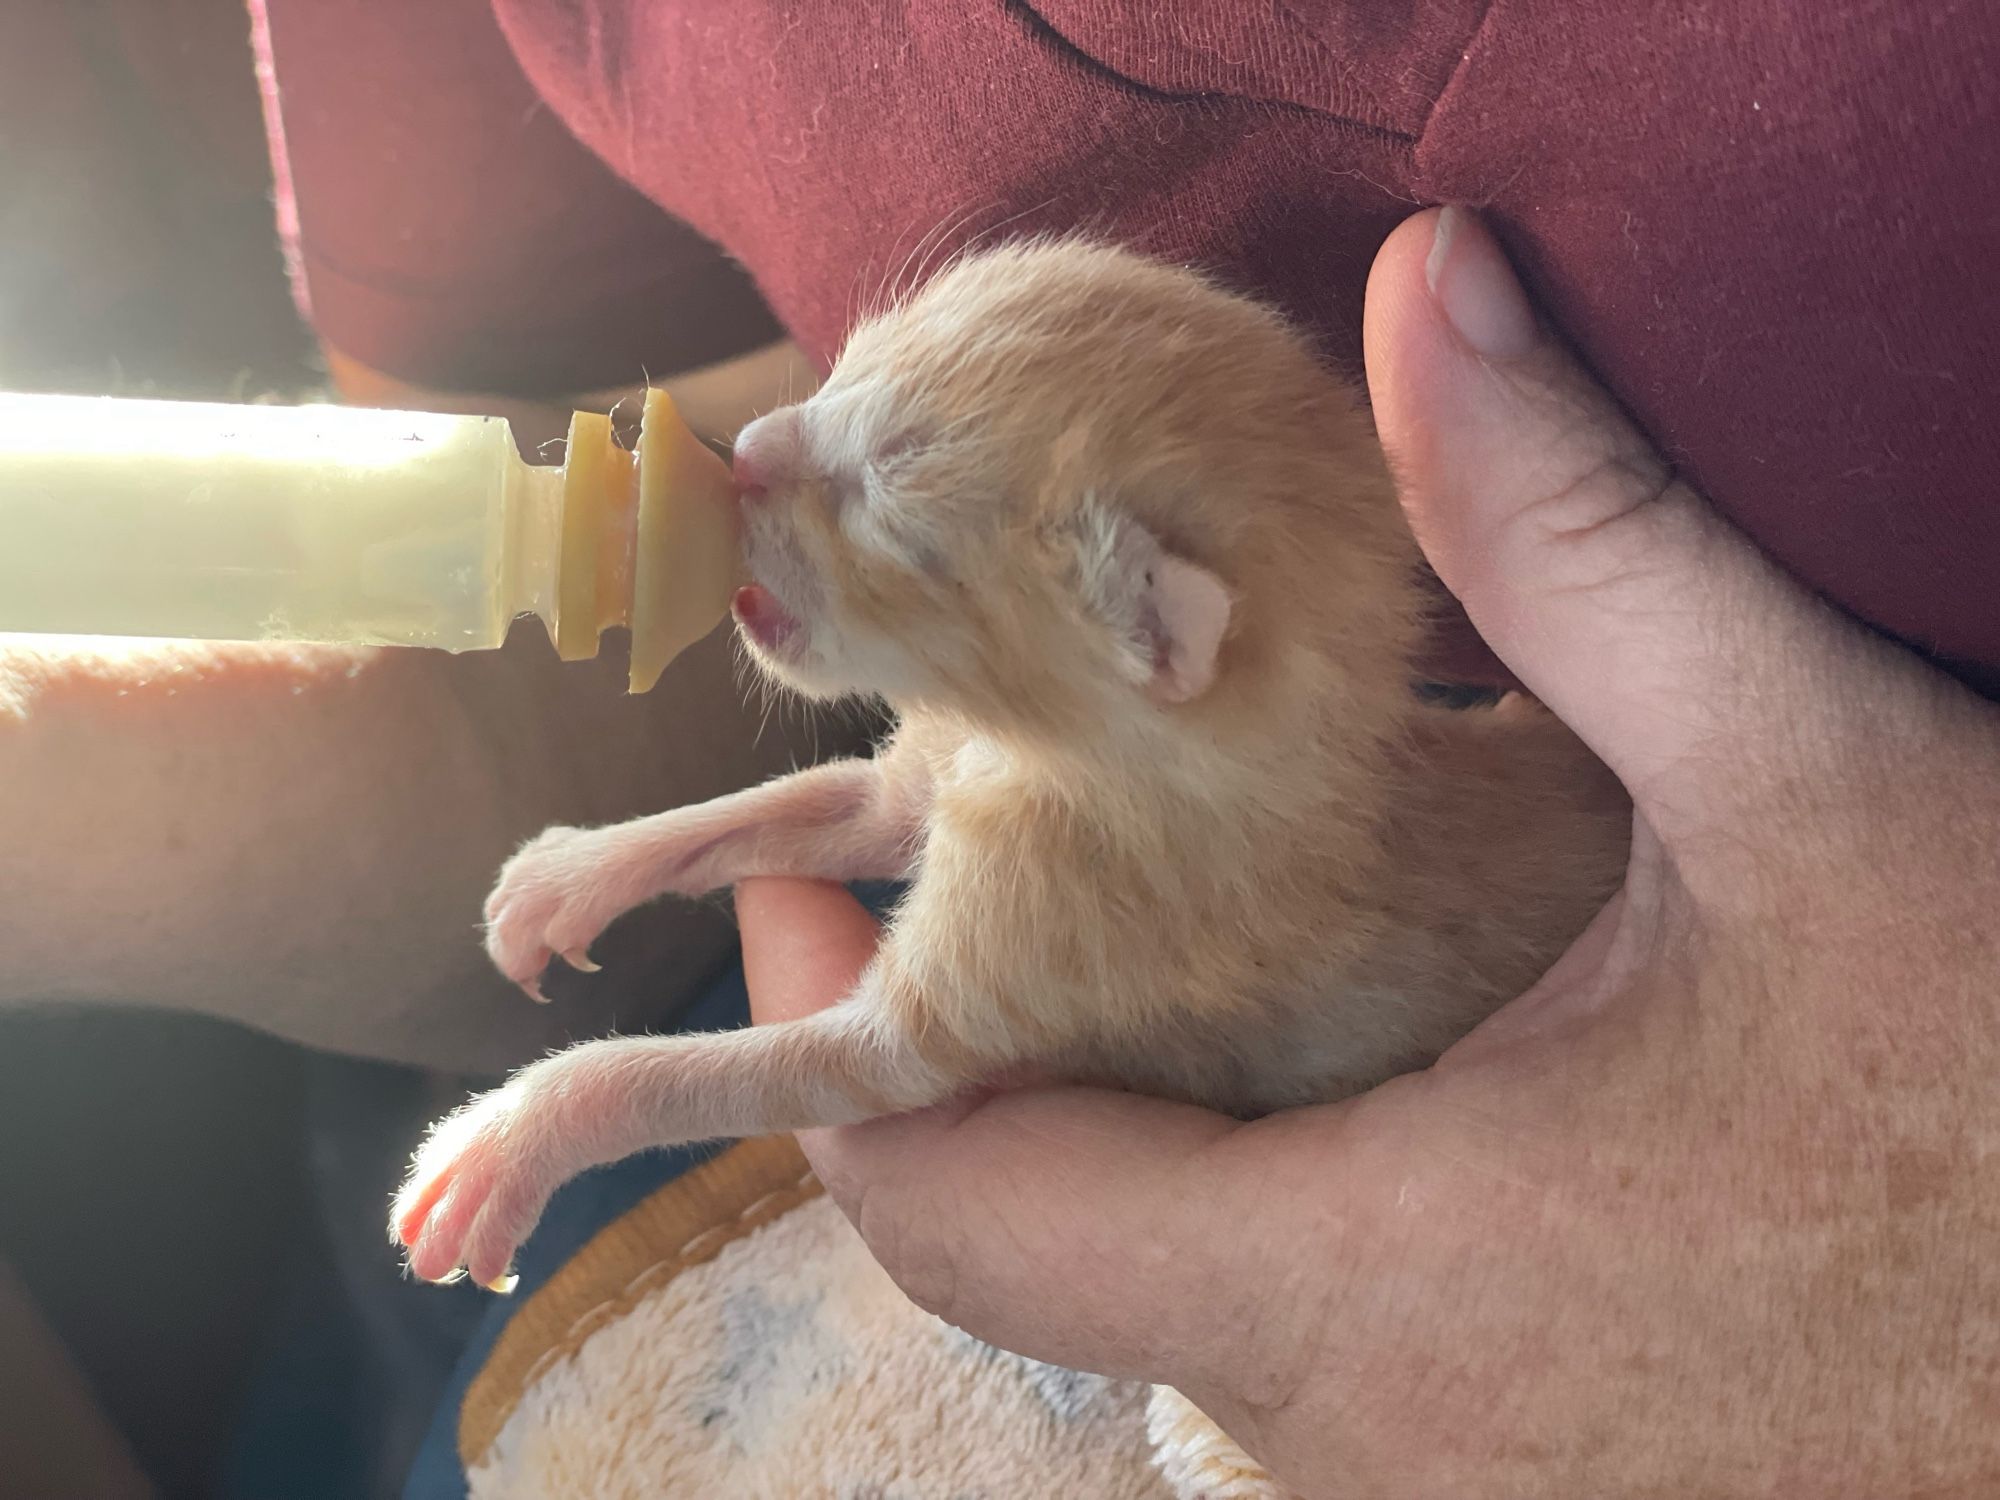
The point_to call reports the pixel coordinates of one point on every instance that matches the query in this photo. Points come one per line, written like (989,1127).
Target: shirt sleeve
(442,226)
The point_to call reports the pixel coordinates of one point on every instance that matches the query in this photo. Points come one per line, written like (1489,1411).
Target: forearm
(301,840)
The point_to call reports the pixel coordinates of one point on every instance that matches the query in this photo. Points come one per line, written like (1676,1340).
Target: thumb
(1073,1225)
(1645,621)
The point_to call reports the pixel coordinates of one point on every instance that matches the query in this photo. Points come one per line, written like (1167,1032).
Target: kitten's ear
(1183,616)
(1172,613)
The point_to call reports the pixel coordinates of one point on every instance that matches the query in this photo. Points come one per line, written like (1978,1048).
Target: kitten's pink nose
(766,454)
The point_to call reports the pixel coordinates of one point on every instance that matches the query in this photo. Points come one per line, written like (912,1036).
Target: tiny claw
(504,1284)
(579,960)
(451,1278)
(532,988)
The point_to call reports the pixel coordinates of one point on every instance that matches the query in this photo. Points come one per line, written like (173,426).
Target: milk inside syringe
(334,524)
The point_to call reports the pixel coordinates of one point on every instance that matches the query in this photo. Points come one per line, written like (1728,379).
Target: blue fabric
(574,1217)
(350,1364)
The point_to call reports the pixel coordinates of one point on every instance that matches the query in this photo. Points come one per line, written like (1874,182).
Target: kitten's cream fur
(1127,562)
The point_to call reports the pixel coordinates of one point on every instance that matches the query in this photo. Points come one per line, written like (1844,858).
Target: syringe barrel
(312,523)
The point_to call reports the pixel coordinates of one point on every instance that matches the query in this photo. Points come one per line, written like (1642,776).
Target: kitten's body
(1128,564)
(1139,933)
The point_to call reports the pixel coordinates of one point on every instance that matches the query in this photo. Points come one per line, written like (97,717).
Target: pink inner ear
(1186,614)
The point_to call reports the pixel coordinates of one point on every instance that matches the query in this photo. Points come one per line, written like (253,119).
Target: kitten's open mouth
(761,617)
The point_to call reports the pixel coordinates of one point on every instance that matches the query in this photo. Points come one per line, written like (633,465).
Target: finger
(1615,593)
(1076,1226)
(805,943)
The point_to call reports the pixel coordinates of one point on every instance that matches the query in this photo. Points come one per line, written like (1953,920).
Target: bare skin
(1710,1210)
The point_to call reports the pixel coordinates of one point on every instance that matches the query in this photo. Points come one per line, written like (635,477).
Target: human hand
(1710,1210)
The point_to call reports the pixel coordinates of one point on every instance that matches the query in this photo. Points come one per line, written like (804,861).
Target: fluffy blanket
(731,1337)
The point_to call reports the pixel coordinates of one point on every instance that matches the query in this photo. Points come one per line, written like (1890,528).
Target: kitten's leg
(851,820)
(482,1178)
(1198,1459)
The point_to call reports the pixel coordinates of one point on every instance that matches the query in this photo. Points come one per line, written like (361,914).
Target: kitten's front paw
(556,896)
(479,1184)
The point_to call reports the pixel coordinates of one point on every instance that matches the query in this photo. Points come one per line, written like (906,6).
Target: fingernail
(1470,277)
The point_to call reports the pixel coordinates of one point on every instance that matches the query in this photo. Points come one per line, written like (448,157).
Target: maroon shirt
(1772,229)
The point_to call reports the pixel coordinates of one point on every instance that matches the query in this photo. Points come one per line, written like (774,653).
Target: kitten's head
(1061,485)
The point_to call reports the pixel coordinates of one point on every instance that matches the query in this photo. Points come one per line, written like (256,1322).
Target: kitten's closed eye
(892,459)
(876,506)
(877,522)
(843,491)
